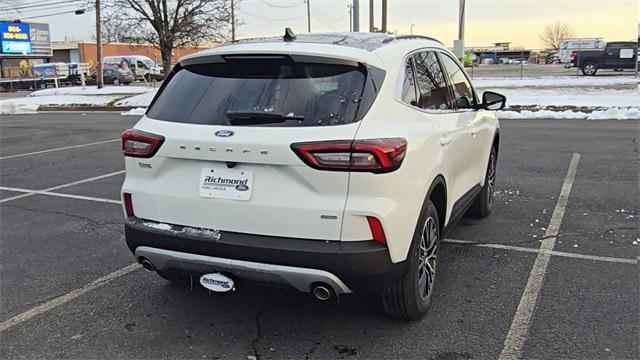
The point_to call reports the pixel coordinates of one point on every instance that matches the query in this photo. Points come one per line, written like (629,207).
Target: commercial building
(494,54)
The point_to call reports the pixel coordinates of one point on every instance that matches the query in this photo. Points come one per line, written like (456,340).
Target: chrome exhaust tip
(148,265)
(322,292)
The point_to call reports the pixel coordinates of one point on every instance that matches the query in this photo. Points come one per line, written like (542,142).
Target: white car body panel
(291,199)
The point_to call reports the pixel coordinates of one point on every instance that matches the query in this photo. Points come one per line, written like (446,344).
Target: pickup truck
(616,55)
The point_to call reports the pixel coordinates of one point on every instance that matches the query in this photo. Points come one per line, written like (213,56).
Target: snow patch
(212,233)
(609,114)
(29,105)
(135,111)
(138,100)
(561,81)
(92,90)
(579,97)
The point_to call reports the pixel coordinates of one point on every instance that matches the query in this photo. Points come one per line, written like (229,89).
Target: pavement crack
(106,225)
(258,337)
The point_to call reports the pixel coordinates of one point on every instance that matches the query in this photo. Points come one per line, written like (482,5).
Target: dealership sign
(27,39)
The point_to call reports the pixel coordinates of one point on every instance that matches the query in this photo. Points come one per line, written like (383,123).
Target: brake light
(573,54)
(128,204)
(371,155)
(136,143)
(376,230)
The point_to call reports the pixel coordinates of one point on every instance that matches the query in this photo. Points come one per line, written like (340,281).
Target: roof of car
(360,40)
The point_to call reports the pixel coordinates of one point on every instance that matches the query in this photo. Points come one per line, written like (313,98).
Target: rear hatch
(226,162)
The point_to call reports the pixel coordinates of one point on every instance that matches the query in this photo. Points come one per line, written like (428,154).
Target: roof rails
(410,37)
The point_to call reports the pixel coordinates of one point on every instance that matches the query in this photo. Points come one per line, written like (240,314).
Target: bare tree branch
(553,33)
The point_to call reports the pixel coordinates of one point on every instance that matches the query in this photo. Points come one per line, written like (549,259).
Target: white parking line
(58,149)
(522,319)
(63,299)
(21,196)
(71,196)
(550,252)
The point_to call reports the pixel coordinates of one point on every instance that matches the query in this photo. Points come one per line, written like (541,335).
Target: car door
(619,55)
(476,126)
(434,99)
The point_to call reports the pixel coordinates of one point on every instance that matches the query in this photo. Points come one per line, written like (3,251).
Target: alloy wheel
(491,177)
(428,257)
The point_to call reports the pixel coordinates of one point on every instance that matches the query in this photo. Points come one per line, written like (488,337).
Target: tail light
(376,230)
(574,54)
(136,143)
(371,155)
(128,204)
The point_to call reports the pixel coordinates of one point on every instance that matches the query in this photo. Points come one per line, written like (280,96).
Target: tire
(410,298)
(589,68)
(483,203)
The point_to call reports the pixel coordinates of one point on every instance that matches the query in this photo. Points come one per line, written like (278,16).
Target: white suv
(329,163)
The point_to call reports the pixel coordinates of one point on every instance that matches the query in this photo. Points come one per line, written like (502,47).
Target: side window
(409,86)
(461,87)
(432,88)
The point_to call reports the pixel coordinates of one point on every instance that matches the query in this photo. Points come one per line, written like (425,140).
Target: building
(497,53)
(85,51)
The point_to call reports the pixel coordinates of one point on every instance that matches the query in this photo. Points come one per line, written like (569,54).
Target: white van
(141,66)
(570,46)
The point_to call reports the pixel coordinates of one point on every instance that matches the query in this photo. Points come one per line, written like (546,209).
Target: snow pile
(555,81)
(93,90)
(138,100)
(135,111)
(578,97)
(615,113)
(28,105)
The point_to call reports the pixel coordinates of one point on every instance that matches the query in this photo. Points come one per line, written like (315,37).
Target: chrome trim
(296,277)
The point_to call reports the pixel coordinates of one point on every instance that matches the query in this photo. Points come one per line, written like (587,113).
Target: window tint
(463,93)
(305,94)
(409,86)
(433,92)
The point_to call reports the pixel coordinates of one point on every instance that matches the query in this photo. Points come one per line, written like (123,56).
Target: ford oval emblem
(224,133)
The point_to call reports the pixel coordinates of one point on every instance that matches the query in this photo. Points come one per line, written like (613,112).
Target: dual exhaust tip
(320,291)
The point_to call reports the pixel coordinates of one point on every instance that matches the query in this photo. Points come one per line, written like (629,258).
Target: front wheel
(589,69)
(483,204)
(410,298)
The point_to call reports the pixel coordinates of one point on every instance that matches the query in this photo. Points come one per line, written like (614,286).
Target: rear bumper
(347,266)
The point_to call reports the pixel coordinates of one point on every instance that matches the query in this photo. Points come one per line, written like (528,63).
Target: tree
(553,33)
(168,24)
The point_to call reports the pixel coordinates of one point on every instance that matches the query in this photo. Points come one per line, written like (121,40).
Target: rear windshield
(294,93)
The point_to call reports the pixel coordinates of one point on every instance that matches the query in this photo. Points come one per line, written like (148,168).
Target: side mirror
(493,101)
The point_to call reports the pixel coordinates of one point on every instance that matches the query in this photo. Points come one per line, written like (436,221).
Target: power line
(315,9)
(279,6)
(271,19)
(55,7)
(54,14)
(21,7)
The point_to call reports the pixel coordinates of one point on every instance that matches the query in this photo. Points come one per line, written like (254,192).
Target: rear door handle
(445,140)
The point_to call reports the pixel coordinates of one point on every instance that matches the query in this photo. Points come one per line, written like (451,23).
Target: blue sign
(15,38)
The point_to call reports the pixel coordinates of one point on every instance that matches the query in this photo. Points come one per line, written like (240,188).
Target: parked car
(142,67)
(617,55)
(117,76)
(329,163)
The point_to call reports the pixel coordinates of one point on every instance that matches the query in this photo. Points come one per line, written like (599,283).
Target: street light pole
(308,15)
(384,16)
(371,27)
(233,21)
(411,31)
(458,45)
(99,78)
(355,8)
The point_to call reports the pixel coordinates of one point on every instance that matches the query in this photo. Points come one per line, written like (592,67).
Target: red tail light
(136,143)
(574,54)
(376,230)
(128,205)
(372,155)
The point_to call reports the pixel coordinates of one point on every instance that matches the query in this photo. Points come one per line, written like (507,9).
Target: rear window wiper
(259,117)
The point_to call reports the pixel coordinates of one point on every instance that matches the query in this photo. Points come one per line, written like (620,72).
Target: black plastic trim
(461,206)
(362,265)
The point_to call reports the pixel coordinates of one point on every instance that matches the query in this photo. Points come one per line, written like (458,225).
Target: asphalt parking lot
(68,289)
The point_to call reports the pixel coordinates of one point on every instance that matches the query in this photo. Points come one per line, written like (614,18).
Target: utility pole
(355,8)
(350,7)
(99,78)
(384,16)
(308,15)
(371,27)
(458,45)
(233,21)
